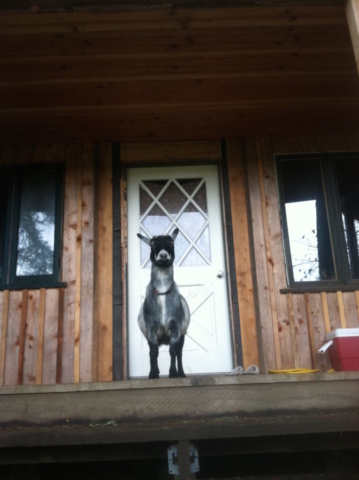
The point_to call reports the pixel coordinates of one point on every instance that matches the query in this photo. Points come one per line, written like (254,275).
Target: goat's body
(164,316)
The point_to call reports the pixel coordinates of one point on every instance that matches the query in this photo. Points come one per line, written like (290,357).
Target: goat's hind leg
(181,373)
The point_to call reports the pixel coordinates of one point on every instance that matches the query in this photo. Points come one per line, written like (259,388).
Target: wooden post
(352,11)
(184,461)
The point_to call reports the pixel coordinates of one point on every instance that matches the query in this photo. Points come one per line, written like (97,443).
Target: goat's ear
(144,239)
(174,234)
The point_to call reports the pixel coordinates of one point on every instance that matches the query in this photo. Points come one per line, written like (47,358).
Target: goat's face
(162,248)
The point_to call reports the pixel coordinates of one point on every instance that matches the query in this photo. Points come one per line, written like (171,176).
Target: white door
(160,199)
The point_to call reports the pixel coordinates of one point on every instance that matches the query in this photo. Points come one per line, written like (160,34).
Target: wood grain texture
(22,338)
(343,322)
(4,304)
(103,277)
(77,327)
(40,337)
(333,308)
(87,264)
(326,312)
(293,331)
(51,336)
(31,337)
(301,332)
(60,336)
(313,351)
(319,329)
(170,151)
(13,338)
(263,281)
(276,260)
(236,177)
(69,261)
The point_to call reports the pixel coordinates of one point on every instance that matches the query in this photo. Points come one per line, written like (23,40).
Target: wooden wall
(291,327)
(65,335)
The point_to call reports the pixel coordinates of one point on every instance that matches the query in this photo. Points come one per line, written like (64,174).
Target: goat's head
(162,248)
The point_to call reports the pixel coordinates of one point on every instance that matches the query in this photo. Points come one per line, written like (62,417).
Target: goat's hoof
(173,374)
(182,375)
(154,375)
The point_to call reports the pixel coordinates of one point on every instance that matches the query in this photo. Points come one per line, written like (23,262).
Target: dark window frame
(9,280)
(336,229)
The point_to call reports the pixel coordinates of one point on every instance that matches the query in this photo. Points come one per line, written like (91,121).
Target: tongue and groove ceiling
(176,74)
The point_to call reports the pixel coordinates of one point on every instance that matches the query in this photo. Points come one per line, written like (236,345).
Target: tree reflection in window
(36,234)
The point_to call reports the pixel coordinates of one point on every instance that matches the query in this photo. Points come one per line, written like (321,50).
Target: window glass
(4,191)
(347,173)
(36,234)
(307,221)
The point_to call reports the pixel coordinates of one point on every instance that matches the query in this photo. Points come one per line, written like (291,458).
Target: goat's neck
(162,278)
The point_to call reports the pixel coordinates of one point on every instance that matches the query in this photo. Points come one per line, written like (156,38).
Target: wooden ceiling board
(167,74)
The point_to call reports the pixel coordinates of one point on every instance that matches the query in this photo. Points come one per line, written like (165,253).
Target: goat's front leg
(176,345)
(154,372)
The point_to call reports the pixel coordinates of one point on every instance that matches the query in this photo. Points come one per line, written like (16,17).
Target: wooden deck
(204,407)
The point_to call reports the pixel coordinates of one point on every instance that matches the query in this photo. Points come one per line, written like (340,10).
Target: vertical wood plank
(292,330)
(301,331)
(333,308)
(60,336)
(69,262)
(319,329)
(350,310)
(124,267)
(87,265)
(265,290)
(341,310)
(13,338)
(325,312)
(40,337)
(78,274)
(4,310)
(236,177)
(103,273)
(357,304)
(276,265)
(31,340)
(22,338)
(313,351)
(49,356)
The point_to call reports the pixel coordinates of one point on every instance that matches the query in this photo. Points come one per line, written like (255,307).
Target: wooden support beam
(184,461)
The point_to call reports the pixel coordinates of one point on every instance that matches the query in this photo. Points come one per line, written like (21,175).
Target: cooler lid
(343,332)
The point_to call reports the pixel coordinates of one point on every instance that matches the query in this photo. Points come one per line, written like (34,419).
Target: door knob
(220,274)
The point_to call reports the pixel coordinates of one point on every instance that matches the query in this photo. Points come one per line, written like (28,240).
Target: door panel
(159,200)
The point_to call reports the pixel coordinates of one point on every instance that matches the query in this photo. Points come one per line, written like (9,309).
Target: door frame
(155,155)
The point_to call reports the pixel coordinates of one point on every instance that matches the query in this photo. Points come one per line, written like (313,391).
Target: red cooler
(344,351)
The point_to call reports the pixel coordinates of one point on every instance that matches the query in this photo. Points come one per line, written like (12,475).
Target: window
(319,206)
(30,217)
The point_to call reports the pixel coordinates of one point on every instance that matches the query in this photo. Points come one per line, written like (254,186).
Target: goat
(164,316)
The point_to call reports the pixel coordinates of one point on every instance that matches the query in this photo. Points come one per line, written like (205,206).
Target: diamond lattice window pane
(193,259)
(189,184)
(201,198)
(155,186)
(156,222)
(173,200)
(191,221)
(181,245)
(203,244)
(145,201)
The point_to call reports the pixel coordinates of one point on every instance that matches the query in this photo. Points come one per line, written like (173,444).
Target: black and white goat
(164,316)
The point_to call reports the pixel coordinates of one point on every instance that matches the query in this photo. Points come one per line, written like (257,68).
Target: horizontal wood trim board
(177,19)
(93,5)
(170,151)
(193,91)
(79,69)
